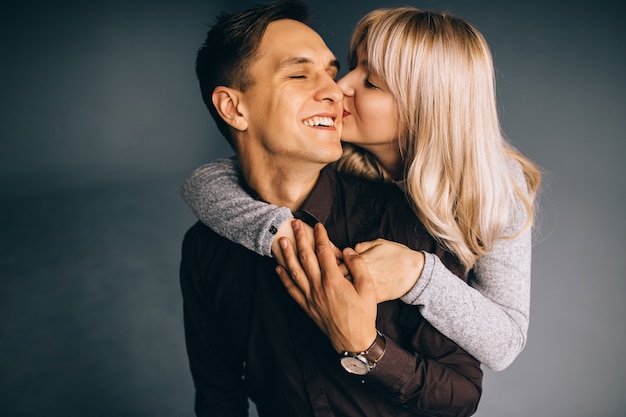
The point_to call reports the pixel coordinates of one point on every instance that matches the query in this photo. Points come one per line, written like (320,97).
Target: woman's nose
(345,84)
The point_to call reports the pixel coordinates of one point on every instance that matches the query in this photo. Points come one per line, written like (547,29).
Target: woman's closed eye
(369,84)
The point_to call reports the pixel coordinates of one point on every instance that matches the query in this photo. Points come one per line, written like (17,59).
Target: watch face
(354,365)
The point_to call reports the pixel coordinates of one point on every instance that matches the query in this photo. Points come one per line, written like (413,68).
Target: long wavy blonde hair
(457,163)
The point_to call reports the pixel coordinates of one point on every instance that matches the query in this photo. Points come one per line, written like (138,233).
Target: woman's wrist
(284,231)
(417,260)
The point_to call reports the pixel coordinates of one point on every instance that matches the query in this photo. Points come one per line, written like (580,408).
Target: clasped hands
(315,273)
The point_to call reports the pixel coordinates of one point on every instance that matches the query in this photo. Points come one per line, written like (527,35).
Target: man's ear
(226,101)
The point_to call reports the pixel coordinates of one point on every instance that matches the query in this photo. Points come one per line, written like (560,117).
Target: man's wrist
(362,363)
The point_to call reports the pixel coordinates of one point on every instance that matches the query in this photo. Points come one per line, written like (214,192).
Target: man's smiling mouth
(319,121)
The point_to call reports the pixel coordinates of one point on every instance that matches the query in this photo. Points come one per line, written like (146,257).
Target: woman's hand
(286,231)
(345,310)
(394,267)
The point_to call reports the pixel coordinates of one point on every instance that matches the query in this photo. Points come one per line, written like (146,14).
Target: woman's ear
(227,103)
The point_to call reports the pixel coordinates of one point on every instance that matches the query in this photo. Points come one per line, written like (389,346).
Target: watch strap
(374,353)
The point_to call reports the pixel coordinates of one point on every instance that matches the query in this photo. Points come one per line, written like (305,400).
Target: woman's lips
(346,113)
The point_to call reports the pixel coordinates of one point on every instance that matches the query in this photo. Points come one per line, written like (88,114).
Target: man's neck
(280,182)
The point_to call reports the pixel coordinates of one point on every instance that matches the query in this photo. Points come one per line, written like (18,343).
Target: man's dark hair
(231,46)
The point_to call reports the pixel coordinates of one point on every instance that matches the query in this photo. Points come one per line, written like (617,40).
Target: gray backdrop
(102,119)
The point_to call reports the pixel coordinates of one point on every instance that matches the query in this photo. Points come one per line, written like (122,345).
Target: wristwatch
(362,363)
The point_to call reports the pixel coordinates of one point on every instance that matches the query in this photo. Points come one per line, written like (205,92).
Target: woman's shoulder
(516,171)
(518,212)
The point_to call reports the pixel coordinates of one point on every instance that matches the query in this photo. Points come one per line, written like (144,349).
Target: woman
(420,110)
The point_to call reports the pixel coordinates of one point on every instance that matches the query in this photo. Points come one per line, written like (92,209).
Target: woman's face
(370,115)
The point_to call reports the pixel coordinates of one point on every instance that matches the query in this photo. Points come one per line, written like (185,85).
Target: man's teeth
(319,121)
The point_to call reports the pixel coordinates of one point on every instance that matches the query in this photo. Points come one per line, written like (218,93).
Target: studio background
(101,119)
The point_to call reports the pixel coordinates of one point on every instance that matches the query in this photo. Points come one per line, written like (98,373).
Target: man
(268,80)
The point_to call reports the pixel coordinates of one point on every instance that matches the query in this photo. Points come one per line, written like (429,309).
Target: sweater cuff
(412,297)
(265,244)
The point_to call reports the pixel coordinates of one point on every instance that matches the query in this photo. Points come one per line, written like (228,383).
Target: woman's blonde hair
(457,163)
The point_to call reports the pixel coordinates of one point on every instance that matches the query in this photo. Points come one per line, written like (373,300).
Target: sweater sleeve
(489,318)
(214,194)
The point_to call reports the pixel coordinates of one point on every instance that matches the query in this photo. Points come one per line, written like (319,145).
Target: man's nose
(330,90)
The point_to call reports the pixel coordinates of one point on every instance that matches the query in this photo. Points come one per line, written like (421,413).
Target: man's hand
(345,310)
(394,267)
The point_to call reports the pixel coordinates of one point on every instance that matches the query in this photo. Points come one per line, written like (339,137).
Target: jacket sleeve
(214,194)
(430,377)
(216,370)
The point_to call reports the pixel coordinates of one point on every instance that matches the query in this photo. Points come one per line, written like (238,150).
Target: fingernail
(279,270)
(295,225)
(283,243)
(350,251)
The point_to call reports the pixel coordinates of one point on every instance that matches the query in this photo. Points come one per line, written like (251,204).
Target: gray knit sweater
(488,318)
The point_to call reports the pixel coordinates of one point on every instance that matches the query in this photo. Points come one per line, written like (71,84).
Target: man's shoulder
(199,232)
(211,255)
(380,197)
(201,238)
(374,189)
(384,209)
(379,209)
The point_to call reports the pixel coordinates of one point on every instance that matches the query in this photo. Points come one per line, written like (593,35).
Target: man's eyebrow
(294,60)
(298,60)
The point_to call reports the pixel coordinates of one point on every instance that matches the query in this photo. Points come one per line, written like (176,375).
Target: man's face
(294,106)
